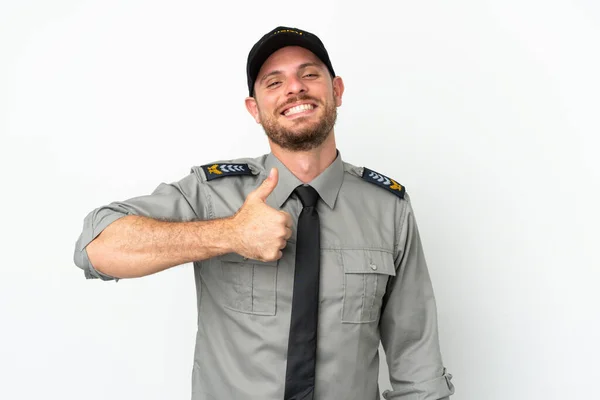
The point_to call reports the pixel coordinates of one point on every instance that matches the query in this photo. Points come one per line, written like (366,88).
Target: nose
(295,85)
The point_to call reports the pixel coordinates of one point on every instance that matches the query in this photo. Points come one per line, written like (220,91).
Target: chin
(305,123)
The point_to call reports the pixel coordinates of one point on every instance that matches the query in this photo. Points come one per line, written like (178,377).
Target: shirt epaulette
(383,181)
(220,170)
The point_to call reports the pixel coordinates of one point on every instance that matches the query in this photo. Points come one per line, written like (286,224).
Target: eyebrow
(277,72)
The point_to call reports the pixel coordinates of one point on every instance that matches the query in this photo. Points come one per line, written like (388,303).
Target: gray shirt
(374,287)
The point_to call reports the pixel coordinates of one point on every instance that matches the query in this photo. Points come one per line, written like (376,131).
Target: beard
(303,136)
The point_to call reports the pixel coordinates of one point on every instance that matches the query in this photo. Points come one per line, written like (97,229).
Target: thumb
(268,185)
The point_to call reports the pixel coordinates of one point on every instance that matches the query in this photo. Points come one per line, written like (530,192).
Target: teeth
(297,109)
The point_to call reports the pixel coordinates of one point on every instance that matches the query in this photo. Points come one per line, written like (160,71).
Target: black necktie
(302,345)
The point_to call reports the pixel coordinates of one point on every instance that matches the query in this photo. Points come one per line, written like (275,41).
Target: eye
(310,75)
(273,84)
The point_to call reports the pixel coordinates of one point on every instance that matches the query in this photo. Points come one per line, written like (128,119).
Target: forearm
(408,324)
(135,246)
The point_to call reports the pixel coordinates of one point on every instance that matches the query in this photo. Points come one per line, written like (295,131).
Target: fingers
(274,257)
(288,220)
(268,185)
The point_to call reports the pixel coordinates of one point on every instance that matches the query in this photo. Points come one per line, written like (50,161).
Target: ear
(252,108)
(338,90)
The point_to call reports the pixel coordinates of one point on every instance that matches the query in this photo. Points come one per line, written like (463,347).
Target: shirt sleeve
(408,324)
(179,201)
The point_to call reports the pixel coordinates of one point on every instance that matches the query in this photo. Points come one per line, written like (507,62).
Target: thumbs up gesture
(261,232)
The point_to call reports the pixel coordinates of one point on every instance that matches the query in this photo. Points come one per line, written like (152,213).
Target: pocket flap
(367,261)
(236,258)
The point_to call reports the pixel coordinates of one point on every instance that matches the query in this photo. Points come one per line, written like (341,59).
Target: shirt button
(373,267)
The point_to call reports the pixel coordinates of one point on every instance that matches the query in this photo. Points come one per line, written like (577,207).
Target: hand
(260,231)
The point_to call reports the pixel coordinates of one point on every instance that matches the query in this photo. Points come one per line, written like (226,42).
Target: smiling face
(295,99)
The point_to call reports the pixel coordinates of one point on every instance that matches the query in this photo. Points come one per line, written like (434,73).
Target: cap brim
(276,42)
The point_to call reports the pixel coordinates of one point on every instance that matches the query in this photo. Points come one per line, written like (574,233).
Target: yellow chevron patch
(381,180)
(214,171)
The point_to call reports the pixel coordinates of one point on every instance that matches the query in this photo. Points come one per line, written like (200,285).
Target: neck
(307,165)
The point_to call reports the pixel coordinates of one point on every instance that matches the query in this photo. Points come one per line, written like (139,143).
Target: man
(303,263)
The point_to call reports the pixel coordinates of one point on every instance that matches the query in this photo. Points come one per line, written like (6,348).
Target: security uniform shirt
(374,286)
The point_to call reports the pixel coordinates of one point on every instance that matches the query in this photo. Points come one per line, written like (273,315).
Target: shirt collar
(327,184)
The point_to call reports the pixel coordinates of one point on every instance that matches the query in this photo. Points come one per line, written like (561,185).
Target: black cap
(276,39)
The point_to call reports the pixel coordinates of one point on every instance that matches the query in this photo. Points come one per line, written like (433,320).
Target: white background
(488,111)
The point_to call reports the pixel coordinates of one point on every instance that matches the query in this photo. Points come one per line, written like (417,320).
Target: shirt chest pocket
(366,274)
(249,286)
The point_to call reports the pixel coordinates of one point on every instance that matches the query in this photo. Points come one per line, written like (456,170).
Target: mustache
(296,100)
